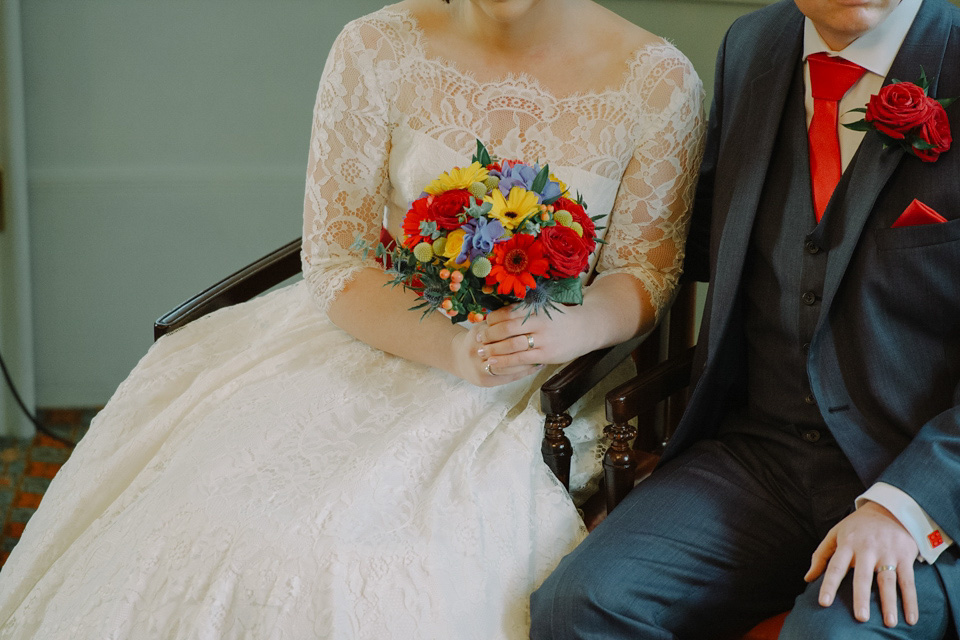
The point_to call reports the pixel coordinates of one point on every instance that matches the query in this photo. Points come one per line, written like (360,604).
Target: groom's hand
(869,539)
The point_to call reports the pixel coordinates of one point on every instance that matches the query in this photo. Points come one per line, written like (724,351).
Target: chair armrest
(575,379)
(241,286)
(647,389)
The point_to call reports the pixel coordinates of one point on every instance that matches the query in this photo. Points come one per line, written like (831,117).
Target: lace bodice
(389,118)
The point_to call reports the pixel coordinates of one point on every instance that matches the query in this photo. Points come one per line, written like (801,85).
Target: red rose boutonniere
(904,114)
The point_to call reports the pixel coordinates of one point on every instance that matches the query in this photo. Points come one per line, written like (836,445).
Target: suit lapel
(751,140)
(872,166)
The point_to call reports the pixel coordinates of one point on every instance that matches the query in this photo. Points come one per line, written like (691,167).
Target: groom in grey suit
(817,467)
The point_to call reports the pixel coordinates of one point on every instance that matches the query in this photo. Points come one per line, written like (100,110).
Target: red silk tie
(830,79)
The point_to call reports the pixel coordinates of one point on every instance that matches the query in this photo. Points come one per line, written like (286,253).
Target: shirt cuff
(930,538)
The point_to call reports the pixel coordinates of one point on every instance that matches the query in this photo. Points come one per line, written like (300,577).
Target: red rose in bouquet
(447,208)
(580,217)
(899,108)
(565,250)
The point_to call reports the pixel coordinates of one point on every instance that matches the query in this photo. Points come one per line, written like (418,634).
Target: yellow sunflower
(457,179)
(515,208)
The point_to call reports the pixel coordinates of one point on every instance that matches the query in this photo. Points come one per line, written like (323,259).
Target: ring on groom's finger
(529,341)
(489,371)
(886,567)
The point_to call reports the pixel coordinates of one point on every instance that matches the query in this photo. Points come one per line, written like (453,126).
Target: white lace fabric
(263,475)
(388,117)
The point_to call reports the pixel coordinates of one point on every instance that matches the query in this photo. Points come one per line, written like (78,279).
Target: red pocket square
(918,213)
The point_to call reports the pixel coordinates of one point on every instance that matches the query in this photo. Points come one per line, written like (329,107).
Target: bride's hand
(471,365)
(512,342)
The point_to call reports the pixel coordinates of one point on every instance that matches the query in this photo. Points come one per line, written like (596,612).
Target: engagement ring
(486,368)
(529,341)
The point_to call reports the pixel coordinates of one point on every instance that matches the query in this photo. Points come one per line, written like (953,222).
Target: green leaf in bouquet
(541,180)
(428,229)
(549,201)
(946,102)
(479,211)
(565,291)
(482,156)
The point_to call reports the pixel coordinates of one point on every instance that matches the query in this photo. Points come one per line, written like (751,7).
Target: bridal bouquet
(492,234)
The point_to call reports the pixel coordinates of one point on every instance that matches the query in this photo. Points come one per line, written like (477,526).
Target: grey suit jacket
(884,362)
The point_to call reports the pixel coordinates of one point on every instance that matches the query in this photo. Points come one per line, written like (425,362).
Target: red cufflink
(935,539)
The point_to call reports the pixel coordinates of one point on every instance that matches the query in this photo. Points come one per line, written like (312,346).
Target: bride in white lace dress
(319,462)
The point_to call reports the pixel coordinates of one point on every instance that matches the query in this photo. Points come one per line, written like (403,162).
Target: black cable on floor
(36,423)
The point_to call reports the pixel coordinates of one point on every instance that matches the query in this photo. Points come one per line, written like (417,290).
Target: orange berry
(487,289)
(444,273)
(454,286)
(447,304)
(550,208)
(544,216)
(456,276)
(478,317)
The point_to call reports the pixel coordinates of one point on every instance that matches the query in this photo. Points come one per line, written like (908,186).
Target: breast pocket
(923,235)
(913,276)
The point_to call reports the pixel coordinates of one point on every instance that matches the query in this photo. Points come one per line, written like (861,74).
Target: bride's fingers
(504,313)
(504,366)
(495,373)
(516,325)
(513,344)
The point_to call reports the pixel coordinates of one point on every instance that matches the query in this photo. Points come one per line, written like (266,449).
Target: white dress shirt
(875,51)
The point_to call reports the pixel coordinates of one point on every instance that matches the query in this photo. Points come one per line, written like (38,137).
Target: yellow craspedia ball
(423,252)
(481,267)
(439,246)
(564,217)
(477,189)
(491,183)
(576,226)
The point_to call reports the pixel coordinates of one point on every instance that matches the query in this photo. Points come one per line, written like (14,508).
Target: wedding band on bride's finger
(886,567)
(529,341)
(489,371)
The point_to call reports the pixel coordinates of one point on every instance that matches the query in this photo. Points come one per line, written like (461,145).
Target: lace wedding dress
(262,474)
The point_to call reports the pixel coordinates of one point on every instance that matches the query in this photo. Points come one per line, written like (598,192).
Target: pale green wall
(157,129)
(16,338)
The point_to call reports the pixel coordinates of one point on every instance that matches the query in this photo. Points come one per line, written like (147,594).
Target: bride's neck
(515,26)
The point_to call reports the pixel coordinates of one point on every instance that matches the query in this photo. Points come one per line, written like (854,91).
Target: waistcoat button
(809,298)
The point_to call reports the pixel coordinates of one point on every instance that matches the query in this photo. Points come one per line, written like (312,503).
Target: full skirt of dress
(261,474)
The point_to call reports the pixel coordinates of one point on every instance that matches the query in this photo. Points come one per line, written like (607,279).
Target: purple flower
(523,175)
(480,234)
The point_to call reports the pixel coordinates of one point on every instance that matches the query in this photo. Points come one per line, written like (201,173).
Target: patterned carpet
(27,466)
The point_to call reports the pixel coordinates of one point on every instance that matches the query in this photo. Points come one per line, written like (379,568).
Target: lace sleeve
(650,217)
(347,173)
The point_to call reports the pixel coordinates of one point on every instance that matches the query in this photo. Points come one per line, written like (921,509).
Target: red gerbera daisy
(419,212)
(515,263)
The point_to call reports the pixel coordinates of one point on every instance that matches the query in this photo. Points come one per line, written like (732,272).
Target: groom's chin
(840,22)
